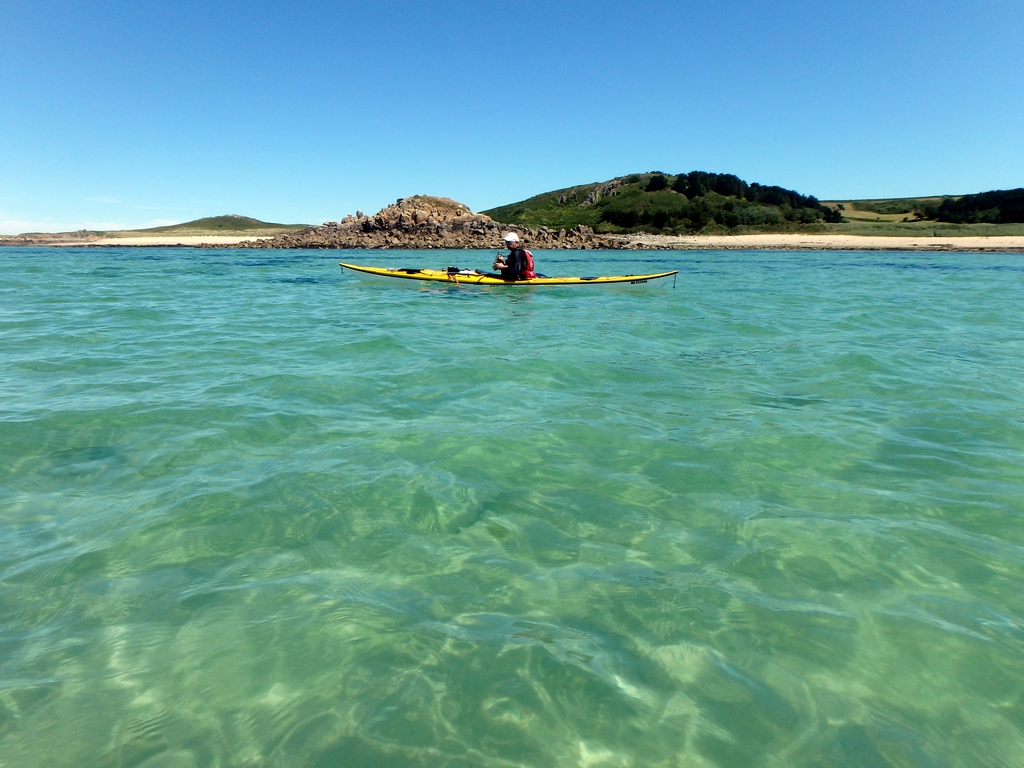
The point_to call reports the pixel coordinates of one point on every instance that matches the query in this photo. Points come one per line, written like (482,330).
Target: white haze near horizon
(10,226)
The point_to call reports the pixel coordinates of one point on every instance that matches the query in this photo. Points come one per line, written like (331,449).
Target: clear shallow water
(254,513)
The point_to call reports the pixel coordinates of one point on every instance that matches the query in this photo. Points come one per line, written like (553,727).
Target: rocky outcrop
(604,190)
(432,222)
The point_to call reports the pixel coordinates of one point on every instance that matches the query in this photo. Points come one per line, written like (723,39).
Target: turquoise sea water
(255,513)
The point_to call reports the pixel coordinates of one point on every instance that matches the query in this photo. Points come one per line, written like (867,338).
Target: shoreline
(633,242)
(828,242)
(185,241)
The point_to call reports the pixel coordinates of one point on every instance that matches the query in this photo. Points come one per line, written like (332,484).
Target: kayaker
(515,266)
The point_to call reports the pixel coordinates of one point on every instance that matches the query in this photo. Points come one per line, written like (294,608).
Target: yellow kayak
(454,276)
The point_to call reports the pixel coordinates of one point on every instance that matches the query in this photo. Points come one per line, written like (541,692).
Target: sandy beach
(830,242)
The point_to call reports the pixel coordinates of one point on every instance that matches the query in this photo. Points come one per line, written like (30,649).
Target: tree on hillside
(693,184)
(657,182)
(833,216)
(729,185)
(1001,206)
(707,200)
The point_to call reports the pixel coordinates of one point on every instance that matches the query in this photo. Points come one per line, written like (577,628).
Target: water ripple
(254,513)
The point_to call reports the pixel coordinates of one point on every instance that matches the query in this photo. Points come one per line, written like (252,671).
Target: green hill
(227,224)
(671,204)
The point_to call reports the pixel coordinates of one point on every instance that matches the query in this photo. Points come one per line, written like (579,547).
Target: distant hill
(989,214)
(1001,206)
(227,223)
(662,203)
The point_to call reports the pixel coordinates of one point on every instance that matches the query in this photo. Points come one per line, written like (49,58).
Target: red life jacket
(528,273)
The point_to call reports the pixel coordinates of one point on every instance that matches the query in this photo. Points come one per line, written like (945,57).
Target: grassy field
(923,229)
(882,210)
(895,218)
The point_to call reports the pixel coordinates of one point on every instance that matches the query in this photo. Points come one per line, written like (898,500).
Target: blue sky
(125,114)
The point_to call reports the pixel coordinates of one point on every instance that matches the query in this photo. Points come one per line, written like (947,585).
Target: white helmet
(511,237)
